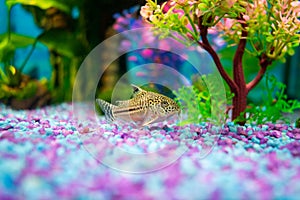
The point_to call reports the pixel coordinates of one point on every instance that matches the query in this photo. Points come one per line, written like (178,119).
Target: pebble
(43,156)
(260,135)
(275,133)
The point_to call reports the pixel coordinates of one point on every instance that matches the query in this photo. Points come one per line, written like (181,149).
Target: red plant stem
(263,68)
(238,72)
(240,98)
(238,84)
(206,45)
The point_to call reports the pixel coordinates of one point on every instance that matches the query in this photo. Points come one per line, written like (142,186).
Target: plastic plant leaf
(270,110)
(297,123)
(16,40)
(6,49)
(3,77)
(43,4)
(62,42)
(13,76)
(9,44)
(24,92)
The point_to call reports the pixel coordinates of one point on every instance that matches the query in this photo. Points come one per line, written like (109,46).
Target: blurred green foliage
(275,102)
(10,76)
(196,102)
(65,5)
(297,123)
(70,29)
(64,39)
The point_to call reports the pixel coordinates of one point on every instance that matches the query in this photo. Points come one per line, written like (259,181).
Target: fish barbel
(143,109)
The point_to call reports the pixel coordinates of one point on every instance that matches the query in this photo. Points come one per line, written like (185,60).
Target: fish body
(143,109)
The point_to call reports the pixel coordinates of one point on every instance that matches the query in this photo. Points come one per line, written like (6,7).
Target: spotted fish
(143,108)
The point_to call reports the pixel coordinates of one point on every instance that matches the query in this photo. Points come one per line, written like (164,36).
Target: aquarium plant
(15,86)
(60,28)
(273,107)
(275,102)
(129,19)
(297,124)
(267,30)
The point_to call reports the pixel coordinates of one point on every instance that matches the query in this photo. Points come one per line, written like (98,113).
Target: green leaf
(43,4)
(270,38)
(3,77)
(10,76)
(6,50)
(24,92)
(297,123)
(238,8)
(196,104)
(202,6)
(291,51)
(63,42)
(271,111)
(232,14)
(16,40)
(9,45)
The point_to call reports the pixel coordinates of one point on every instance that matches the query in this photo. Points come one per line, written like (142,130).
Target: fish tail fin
(107,108)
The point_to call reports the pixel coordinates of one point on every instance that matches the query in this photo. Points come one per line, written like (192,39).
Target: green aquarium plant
(266,29)
(274,104)
(196,100)
(15,86)
(297,124)
(59,31)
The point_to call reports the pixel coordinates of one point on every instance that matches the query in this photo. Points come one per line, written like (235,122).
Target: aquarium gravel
(44,155)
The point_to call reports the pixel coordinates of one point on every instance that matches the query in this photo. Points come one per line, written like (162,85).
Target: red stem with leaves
(237,84)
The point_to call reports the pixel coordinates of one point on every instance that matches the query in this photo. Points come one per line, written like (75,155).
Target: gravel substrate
(43,156)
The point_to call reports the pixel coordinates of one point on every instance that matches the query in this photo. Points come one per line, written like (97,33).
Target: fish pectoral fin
(145,115)
(149,119)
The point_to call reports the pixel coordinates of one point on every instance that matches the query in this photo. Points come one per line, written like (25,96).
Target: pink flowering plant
(267,30)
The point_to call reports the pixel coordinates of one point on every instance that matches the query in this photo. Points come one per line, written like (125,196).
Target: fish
(143,109)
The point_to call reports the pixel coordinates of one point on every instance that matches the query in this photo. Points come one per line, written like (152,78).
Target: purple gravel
(42,157)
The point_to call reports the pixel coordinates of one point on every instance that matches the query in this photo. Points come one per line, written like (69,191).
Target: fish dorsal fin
(136,90)
(123,103)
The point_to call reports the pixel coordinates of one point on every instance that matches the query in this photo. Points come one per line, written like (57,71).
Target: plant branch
(29,54)
(10,59)
(264,63)
(192,24)
(8,23)
(238,73)
(206,45)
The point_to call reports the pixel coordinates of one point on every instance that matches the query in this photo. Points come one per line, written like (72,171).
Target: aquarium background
(23,23)
(45,153)
(39,65)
